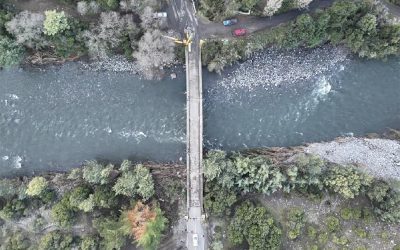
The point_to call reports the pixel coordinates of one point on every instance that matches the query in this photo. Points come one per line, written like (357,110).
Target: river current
(57,117)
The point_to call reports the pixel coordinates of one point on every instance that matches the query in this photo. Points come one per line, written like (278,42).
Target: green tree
(112,231)
(11,52)
(218,200)
(96,173)
(55,240)
(89,242)
(254,225)
(63,213)
(55,22)
(346,181)
(154,229)
(135,182)
(16,241)
(37,186)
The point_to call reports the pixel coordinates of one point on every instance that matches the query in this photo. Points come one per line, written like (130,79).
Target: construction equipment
(187,41)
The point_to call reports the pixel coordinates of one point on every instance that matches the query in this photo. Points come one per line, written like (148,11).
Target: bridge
(196,235)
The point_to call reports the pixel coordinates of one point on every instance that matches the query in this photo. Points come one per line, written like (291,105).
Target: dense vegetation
(359,25)
(57,211)
(231,176)
(217,10)
(99,31)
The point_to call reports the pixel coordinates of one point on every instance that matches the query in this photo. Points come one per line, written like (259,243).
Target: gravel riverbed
(379,157)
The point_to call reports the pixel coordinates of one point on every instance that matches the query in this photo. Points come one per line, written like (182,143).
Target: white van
(195,240)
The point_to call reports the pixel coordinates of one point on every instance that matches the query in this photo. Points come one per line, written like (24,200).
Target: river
(57,117)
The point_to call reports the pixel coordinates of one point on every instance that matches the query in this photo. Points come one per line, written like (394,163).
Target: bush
(13,209)
(10,52)
(135,182)
(10,188)
(332,223)
(55,22)
(37,186)
(218,200)
(96,173)
(112,232)
(346,181)
(55,240)
(295,222)
(16,241)
(254,225)
(63,213)
(89,242)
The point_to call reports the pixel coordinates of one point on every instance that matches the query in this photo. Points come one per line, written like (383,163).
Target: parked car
(230,22)
(159,14)
(195,240)
(239,32)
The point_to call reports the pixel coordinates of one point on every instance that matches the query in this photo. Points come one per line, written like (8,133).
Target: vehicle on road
(195,240)
(239,32)
(230,22)
(159,14)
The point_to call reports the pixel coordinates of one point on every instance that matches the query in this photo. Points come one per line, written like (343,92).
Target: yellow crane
(187,41)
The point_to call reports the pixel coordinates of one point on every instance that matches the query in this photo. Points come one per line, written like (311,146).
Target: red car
(239,32)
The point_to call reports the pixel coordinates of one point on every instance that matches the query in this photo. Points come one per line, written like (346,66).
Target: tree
(27,28)
(55,22)
(89,242)
(218,200)
(37,186)
(147,225)
(254,225)
(112,231)
(96,173)
(385,200)
(154,52)
(272,6)
(55,240)
(347,181)
(16,241)
(135,182)
(10,52)
(63,213)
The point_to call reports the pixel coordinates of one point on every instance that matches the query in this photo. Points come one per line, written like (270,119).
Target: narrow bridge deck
(194,156)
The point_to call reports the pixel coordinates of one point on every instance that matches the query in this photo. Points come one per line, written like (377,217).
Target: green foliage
(125,166)
(69,43)
(89,242)
(333,224)
(11,187)
(311,232)
(96,173)
(341,241)
(13,209)
(361,232)
(78,195)
(254,225)
(112,231)
(154,229)
(16,241)
(75,174)
(295,222)
(135,182)
(63,213)
(55,22)
(218,200)
(323,238)
(347,181)
(350,213)
(5,16)
(37,186)
(108,4)
(11,52)
(55,240)
(306,175)
(385,202)
(104,197)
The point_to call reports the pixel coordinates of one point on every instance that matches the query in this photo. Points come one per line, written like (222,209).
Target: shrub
(55,240)
(89,242)
(332,223)
(13,209)
(112,232)
(135,182)
(218,200)
(342,240)
(346,181)
(27,28)
(11,187)
(37,186)
(5,16)
(55,22)
(312,233)
(63,213)
(10,52)
(16,241)
(295,222)
(96,173)
(104,197)
(77,195)
(254,225)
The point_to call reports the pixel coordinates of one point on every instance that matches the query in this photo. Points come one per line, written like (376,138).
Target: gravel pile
(273,67)
(379,157)
(113,64)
